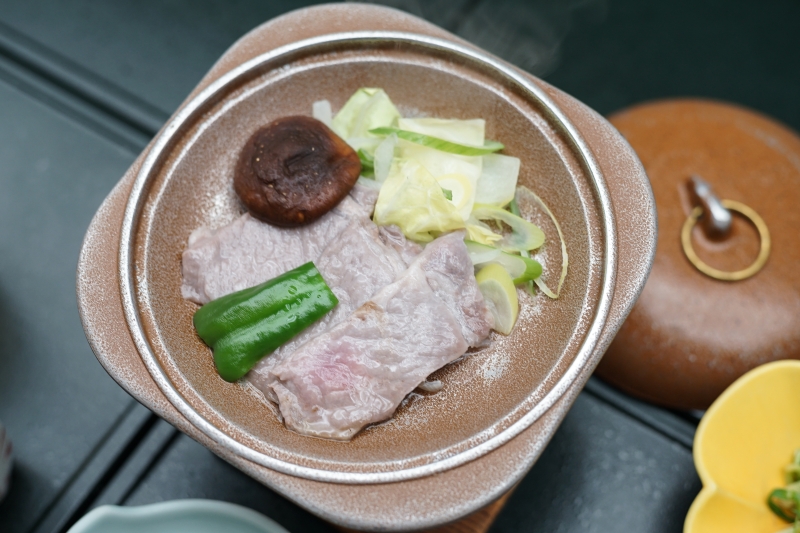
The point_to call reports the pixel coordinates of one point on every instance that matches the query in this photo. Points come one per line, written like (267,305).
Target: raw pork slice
(360,370)
(248,252)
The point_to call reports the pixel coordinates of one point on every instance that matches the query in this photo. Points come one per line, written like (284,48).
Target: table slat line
(120,441)
(67,104)
(80,82)
(664,422)
(159,437)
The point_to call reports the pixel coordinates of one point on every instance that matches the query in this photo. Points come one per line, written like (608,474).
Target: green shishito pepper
(244,326)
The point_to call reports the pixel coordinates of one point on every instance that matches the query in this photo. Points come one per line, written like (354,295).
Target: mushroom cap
(294,170)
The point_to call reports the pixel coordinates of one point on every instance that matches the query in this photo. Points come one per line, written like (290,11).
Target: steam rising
(527,33)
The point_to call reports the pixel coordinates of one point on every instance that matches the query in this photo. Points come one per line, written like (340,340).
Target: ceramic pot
(437,460)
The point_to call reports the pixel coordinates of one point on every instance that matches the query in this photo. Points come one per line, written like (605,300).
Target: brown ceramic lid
(690,336)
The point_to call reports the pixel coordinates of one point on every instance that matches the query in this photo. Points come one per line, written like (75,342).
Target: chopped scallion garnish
(785,502)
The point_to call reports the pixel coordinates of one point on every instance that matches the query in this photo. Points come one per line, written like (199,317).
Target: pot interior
(483,394)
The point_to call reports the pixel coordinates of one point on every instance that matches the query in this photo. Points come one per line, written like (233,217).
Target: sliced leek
(523,192)
(521,269)
(523,236)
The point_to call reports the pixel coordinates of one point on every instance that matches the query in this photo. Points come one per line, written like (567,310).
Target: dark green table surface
(85,84)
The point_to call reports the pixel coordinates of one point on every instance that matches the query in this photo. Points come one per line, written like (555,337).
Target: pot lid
(719,301)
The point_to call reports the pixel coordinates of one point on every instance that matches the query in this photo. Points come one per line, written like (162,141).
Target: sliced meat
(360,370)
(393,236)
(364,197)
(248,252)
(450,275)
(355,266)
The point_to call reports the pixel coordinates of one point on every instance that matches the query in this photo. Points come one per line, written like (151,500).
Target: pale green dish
(178,516)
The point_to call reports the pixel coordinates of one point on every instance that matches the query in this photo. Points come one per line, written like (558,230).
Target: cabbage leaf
(412,199)
(367,109)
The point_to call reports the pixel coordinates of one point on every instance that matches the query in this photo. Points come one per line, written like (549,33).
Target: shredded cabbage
(479,232)
(440,144)
(469,132)
(412,199)
(464,170)
(367,109)
(430,173)
(462,192)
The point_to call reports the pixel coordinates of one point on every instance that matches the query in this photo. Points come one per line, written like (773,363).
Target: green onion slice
(793,469)
(523,236)
(522,269)
(514,208)
(524,191)
(440,144)
(784,503)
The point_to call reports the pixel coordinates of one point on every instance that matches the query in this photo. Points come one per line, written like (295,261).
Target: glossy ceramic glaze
(742,445)
(690,336)
(561,177)
(177,516)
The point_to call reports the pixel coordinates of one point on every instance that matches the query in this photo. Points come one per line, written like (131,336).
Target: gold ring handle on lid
(747,212)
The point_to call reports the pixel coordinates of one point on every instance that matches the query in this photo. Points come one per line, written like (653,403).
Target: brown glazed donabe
(690,336)
(294,170)
(176,205)
(412,504)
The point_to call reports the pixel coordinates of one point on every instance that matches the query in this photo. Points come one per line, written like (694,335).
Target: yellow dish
(742,445)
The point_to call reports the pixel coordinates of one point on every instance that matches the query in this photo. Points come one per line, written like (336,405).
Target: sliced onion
(497,183)
(384,154)
(321,110)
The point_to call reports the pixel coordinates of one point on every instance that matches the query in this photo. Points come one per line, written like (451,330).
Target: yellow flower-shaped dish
(742,445)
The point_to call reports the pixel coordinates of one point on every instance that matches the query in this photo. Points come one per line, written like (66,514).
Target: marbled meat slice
(247,251)
(355,265)
(360,370)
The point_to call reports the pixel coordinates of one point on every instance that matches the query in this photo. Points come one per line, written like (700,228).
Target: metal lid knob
(716,220)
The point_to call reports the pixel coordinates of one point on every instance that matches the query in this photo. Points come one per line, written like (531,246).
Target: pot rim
(174,128)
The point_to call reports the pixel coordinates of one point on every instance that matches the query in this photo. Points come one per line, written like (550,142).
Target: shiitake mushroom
(294,170)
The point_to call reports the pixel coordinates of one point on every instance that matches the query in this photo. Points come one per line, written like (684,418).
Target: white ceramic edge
(101,519)
(136,201)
